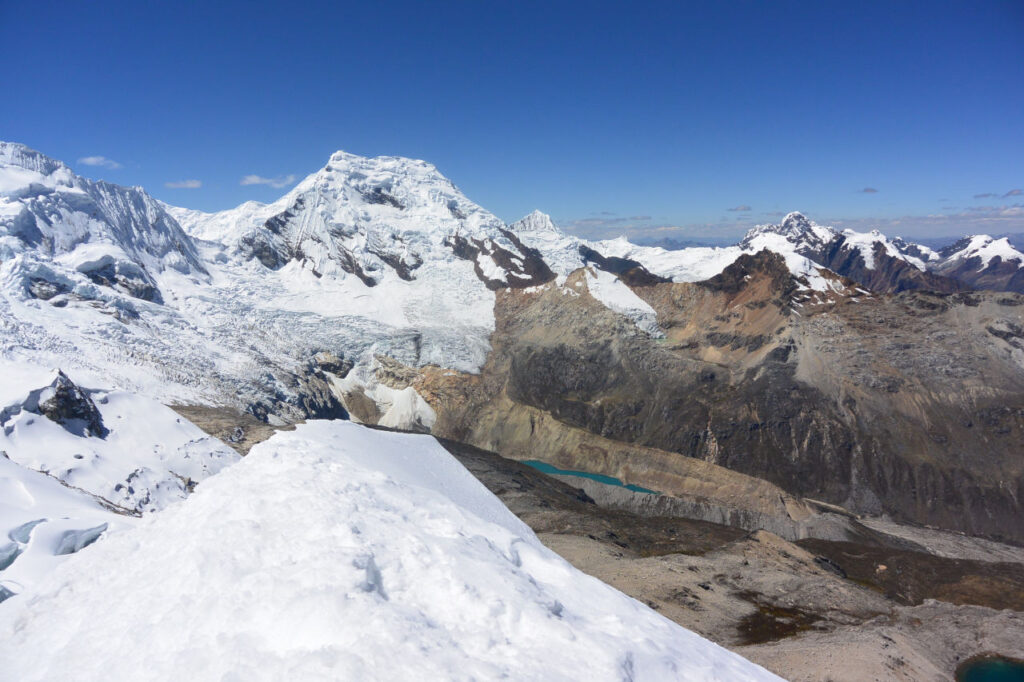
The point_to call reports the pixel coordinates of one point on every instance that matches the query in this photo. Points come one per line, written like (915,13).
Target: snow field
(340,552)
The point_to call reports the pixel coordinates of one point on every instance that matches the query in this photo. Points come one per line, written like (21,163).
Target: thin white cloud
(277,183)
(99,161)
(184,184)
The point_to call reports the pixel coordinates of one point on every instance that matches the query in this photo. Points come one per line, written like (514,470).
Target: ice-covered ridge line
(866,242)
(93,231)
(987,248)
(340,552)
(704,262)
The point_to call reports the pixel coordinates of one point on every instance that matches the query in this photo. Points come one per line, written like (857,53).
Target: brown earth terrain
(910,405)
(786,606)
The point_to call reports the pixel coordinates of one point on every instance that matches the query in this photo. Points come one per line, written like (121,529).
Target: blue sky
(653,119)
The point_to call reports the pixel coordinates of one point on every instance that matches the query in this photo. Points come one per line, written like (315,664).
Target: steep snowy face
(374,218)
(339,552)
(915,252)
(868,243)
(533,222)
(113,236)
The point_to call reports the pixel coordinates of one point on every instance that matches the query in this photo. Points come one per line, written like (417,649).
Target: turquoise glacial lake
(600,478)
(992,669)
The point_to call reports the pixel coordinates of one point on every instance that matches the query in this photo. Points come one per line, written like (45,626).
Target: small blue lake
(600,478)
(992,669)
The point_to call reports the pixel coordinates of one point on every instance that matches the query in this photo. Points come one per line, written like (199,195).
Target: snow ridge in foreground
(340,552)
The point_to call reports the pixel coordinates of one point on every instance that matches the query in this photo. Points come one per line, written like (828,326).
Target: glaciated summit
(535,221)
(983,248)
(372,218)
(71,229)
(983,262)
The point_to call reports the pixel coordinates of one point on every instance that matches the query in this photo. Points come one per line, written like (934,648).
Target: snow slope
(62,486)
(985,249)
(616,296)
(43,522)
(339,552)
(143,463)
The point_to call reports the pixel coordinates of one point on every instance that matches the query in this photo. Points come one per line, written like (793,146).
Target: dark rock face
(910,405)
(310,394)
(329,362)
(769,264)
(889,275)
(997,275)
(130,280)
(44,290)
(65,403)
(402,264)
(629,271)
(379,195)
(525,268)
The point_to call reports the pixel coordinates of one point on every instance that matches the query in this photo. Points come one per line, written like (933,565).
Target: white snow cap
(986,248)
(534,222)
(796,228)
(340,552)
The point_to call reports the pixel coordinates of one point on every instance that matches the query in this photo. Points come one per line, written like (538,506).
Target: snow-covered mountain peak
(985,248)
(23,156)
(394,181)
(796,220)
(796,228)
(536,221)
(24,170)
(73,233)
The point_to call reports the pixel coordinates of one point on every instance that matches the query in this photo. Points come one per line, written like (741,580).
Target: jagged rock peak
(796,221)
(795,228)
(535,221)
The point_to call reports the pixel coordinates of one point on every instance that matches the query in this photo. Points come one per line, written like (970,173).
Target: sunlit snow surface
(618,297)
(986,248)
(59,490)
(340,552)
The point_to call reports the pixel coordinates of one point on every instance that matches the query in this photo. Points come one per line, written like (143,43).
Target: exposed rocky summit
(62,402)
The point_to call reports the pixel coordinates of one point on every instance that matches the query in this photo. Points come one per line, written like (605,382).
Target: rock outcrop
(877,404)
